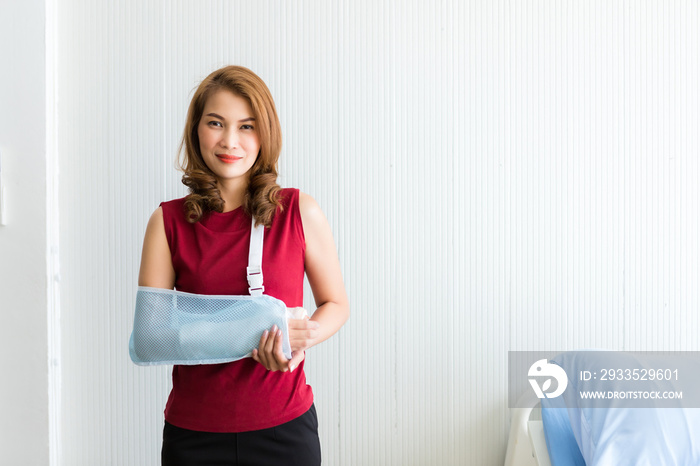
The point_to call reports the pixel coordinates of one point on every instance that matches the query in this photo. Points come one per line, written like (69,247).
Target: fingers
(278,360)
(269,345)
(269,352)
(259,355)
(297,358)
(302,333)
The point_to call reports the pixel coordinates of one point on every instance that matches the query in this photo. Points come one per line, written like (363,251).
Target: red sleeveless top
(210,257)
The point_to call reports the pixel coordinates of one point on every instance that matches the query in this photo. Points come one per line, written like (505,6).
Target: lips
(228,158)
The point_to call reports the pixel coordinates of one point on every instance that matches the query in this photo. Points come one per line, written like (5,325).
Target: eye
(247,127)
(214,123)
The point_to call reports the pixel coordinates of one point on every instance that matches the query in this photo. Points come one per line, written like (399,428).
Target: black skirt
(292,443)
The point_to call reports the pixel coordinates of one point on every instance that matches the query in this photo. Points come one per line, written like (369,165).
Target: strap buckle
(255,280)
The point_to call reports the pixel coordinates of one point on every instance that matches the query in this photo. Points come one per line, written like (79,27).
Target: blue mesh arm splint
(173,327)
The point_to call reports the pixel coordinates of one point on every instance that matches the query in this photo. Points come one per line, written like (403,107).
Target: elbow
(138,347)
(345,306)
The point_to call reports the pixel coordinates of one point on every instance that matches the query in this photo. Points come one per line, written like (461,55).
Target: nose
(229,139)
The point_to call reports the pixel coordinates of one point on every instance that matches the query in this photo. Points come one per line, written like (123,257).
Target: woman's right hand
(269,352)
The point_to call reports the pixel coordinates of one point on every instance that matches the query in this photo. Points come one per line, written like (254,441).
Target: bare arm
(323,271)
(156,263)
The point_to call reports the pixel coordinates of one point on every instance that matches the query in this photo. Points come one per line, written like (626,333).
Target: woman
(256,410)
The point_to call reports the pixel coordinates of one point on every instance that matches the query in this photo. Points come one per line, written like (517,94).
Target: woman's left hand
(302,333)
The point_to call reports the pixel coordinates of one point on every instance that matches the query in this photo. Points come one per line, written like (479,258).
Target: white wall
(24,418)
(498,175)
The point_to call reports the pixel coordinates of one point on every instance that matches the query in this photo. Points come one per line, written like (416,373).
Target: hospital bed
(527,445)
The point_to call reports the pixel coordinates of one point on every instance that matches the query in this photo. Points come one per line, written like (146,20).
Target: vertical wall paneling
(53,238)
(498,176)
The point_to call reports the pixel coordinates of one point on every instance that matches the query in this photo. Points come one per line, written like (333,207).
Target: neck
(233,194)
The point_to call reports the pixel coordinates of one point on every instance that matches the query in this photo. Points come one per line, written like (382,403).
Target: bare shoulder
(316,227)
(308,206)
(157,217)
(155,230)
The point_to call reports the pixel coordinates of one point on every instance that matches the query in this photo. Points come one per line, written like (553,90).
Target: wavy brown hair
(262,198)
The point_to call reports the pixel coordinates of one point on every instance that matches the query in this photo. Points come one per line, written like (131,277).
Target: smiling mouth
(228,158)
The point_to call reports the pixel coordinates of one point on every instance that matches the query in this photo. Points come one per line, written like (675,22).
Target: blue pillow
(615,435)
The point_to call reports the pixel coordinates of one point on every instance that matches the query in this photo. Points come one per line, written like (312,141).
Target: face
(228,139)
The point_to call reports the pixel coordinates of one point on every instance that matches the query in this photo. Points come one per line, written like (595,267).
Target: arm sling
(173,327)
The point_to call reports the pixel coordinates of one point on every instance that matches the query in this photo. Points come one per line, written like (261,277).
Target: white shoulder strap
(255,253)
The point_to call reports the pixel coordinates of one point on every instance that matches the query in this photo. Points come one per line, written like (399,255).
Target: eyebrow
(216,115)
